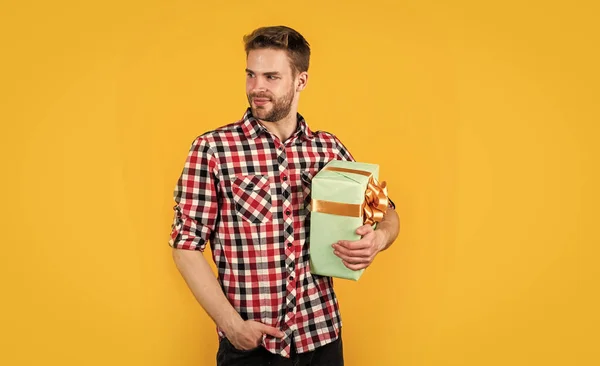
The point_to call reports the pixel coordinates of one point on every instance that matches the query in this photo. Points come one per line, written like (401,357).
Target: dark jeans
(331,354)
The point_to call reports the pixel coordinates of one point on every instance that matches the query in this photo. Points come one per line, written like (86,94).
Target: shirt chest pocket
(252,198)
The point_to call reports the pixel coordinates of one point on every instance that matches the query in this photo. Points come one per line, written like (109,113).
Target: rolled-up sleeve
(196,209)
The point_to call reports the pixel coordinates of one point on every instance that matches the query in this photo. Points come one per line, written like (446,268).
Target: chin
(260,112)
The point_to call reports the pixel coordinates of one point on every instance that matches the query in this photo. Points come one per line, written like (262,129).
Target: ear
(301,81)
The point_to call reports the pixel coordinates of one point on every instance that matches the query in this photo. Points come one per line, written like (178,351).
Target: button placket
(290,252)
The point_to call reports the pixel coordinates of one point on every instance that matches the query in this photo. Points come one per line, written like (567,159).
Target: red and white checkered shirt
(247,193)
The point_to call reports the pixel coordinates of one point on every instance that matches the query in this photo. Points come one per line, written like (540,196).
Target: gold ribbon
(372,209)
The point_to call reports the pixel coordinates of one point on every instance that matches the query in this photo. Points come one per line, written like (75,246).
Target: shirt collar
(253,128)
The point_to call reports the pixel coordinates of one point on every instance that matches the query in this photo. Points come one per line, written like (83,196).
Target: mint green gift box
(326,228)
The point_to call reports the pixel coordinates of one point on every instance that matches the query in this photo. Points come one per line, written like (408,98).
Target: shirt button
(285,178)
(291,278)
(288,212)
(281,148)
(289,246)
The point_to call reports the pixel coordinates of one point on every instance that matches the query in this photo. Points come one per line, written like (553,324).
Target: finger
(353,260)
(364,243)
(251,344)
(364,230)
(355,267)
(271,331)
(364,253)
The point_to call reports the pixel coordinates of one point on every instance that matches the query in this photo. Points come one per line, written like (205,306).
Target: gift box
(344,196)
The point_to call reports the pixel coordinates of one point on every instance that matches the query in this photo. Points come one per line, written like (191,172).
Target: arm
(361,253)
(195,219)
(199,277)
(388,229)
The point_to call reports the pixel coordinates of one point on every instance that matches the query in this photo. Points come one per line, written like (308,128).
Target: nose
(257,84)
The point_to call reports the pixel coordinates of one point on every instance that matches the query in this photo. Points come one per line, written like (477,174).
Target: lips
(261,101)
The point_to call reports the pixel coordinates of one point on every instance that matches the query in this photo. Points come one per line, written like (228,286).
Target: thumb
(364,230)
(271,331)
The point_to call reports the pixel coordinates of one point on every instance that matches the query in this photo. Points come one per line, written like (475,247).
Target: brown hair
(281,38)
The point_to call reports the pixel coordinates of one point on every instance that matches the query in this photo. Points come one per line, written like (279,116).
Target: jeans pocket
(228,355)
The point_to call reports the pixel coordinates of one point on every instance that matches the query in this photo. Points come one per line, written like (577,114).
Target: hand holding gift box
(345,195)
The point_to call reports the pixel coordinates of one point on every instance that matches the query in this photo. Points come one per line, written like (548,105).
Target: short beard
(281,107)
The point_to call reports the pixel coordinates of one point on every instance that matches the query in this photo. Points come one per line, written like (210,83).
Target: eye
(249,74)
(272,77)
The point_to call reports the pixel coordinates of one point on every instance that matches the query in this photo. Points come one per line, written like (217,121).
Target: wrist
(382,238)
(232,323)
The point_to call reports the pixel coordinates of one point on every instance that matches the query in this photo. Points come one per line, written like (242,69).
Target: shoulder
(332,141)
(215,139)
(223,133)
(329,137)
(326,136)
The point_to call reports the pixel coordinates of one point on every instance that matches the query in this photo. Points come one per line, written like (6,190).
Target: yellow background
(483,116)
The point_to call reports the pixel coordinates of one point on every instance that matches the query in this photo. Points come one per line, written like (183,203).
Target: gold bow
(372,209)
(376,201)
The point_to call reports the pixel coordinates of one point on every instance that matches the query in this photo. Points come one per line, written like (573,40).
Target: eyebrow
(270,73)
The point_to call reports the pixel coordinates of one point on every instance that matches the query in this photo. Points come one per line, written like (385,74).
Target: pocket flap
(251,182)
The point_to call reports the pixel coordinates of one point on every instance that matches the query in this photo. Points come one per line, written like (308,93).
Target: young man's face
(270,84)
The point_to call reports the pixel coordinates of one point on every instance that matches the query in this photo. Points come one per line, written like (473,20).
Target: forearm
(389,228)
(206,289)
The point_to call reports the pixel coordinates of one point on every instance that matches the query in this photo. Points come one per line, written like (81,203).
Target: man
(245,188)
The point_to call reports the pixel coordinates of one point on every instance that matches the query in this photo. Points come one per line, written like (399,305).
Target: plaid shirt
(247,193)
